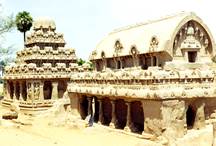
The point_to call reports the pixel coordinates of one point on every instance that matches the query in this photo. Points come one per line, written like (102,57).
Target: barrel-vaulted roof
(152,36)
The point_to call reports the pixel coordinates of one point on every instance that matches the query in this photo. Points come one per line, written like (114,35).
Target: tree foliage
(23,22)
(6,24)
(6,54)
(80,62)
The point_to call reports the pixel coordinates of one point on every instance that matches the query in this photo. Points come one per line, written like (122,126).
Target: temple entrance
(24,92)
(190,116)
(11,89)
(96,114)
(148,62)
(118,64)
(62,87)
(47,90)
(17,91)
(107,111)
(83,107)
(192,55)
(137,117)
(121,113)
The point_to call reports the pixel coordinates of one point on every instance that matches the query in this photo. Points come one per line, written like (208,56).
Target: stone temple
(42,69)
(156,77)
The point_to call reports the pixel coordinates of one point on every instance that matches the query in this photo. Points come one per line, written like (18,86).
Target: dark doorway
(11,89)
(121,113)
(137,117)
(107,111)
(96,114)
(17,91)
(154,61)
(83,107)
(47,90)
(190,116)
(144,63)
(118,64)
(62,87)
(24,92)
(192,56)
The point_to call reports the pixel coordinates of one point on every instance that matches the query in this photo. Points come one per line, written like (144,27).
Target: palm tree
(24,22)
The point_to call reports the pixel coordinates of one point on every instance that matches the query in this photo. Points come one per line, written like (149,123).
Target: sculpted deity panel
(193,35)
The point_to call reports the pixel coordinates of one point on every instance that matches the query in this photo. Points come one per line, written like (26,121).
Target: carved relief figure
(36,90)
(153,44)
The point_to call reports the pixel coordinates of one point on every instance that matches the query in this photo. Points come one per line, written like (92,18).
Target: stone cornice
(156,92)
(146,84)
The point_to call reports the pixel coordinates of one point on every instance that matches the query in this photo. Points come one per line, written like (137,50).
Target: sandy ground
(41,133)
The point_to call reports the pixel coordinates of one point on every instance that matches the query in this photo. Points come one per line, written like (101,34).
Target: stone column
(174,122)
(156,61)
(74,102)
(200,117)
(21,91)
(127,127)
(186,56)
(7,90)
(104,64)
(100,111)
(54,90)
(113,121)
(28,86)
(89,105)
(41,91)
(143,107)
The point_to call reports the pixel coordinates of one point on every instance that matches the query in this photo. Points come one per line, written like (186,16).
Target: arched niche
(192,42)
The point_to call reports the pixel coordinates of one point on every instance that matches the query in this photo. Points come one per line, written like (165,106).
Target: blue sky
(85,22)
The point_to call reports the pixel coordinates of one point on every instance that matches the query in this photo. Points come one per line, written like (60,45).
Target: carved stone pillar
(21,91)
(104,64)
(100,111)
(41,91)
(54,90)
(157,61)
(127,127)
(28,85)
(89,105)
(186,56)
(75,103)
(143,107)
(200,117)
(7,90)
(151,61)
(113,121)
